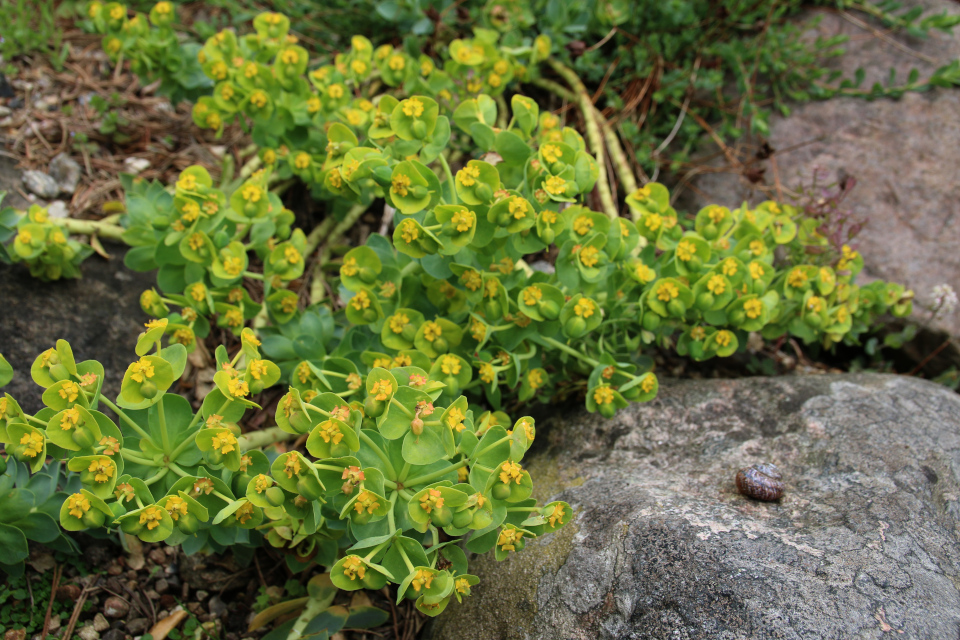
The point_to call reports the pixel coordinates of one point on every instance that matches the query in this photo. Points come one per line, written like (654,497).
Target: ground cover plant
(388,349)
(666,75)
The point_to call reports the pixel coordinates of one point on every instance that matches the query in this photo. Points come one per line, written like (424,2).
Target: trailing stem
(617,155)
(593,134)
(100,228)
(263,438)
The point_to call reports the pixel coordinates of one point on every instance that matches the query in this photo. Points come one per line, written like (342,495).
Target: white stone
(136,165)
(58,209)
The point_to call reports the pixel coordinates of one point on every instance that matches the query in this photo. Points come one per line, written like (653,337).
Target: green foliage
(29,504)
(663,68)
(29,26)
(40,243)
(16,611)
(388,469)
(453,294)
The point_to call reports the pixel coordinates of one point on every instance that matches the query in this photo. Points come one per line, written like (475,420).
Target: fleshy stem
(315,606)
(380,454)
(323,234)
(258,439)
(449,174)
(593,133)
(617,155)
(90,228)
(156,477)
(163,427)
(573,352)
(435,474)
(390,517)
(132,457)
(406,560)
(130,423)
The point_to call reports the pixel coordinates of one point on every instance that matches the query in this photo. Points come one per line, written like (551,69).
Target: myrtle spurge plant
(388,468)
(452,293)
(39,242)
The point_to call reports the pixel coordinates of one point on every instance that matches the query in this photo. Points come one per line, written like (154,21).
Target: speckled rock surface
(864,543)
(903,153)
(98,314)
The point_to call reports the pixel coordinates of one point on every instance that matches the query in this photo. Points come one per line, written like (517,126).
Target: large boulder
(903,154)
(864,542)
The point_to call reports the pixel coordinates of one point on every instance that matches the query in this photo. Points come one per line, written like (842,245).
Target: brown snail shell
(760,482)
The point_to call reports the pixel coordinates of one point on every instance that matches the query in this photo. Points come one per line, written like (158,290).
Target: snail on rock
(760,482)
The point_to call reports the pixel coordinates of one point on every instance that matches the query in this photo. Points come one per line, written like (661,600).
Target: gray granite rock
(66,172)
(904,154)
(41,184)
(98,314)
(864,543)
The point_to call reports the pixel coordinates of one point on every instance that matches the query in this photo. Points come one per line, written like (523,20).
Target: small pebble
(158,556)
(66,172)
(161,585)
(57,209)
(68,592)
(88,633)
(137,626)
(153,595)
(116,607)
(100,623)
(136,165)
(217,606)
(114,634)
(41,184)
(202,595)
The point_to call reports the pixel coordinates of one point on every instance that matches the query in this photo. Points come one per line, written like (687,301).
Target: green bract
(390,460)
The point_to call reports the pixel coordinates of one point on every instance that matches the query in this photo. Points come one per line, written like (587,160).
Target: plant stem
(380,454)
(406,560)
(348,221)
(318,234)
(576,354)
(248,168)
(380,546)
(449,174)
(90,228)
(183,445)
(177,470)
(620,162)
(157,477)
(163,427)
(130,423)
(264,437)
(428,477)
(502,111)
(36,420)
(132,457)
(593,133)
(491,446)
(390,517)
(314,608)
